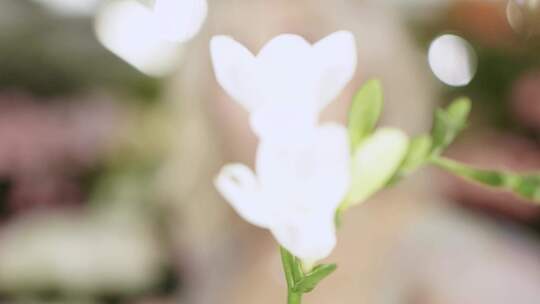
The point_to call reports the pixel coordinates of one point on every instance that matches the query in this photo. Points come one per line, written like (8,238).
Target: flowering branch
(427,149)
(307,174)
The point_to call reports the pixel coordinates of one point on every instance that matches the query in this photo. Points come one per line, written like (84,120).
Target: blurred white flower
(179,20)
(290,79)
(70,7)
(295,191)
(80,254)
(128,29)
(149,39)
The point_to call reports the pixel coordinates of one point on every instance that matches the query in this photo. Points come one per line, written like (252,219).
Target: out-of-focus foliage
(525,185)
(52,55)
(365,111)
(448,123)
(504,55)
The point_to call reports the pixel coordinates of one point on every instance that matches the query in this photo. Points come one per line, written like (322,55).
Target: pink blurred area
(47,145)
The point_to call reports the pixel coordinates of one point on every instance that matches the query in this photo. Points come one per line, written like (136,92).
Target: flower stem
(290,268)
(294,298)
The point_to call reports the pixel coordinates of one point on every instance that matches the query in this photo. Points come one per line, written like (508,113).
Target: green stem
(292,275)
(294,298)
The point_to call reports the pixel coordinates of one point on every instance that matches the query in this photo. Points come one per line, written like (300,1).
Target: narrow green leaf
(459,110)
(526,186)
(448,123)
(289,267)
(365,111)
(311,279)
(417,154)
(298,272)
(374,163)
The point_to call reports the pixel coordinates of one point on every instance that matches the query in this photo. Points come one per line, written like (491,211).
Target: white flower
(180,20)
(149,39)
(128,29)
(289,78)
(69,7)
(296,190)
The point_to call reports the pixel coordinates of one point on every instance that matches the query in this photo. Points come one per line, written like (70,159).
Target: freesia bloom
(295,191)
(302,170)
(290,79)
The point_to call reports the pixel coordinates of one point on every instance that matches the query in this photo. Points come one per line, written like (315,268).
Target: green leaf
(292,267)
(417,154)
(365,111)
(448,123)
(311,279)
(375,162)
(526,185)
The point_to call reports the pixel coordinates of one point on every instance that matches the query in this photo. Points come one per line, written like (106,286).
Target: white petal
(234,66)
(311,238)
(333,165)
(240,188)
(180,20)
(289,77)
(286,71)
(312,173)
(283,122)
(336,55)
(127,29)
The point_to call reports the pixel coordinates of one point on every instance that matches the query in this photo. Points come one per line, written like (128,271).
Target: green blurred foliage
(50,55)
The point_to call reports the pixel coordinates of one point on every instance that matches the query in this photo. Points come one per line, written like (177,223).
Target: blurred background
(110,138)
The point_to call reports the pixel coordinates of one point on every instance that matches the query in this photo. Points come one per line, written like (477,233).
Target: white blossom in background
(79,254)
(149,38)
(70,7)
(179,20)
(295,191)
(289,78)
(127,28)
(303,171)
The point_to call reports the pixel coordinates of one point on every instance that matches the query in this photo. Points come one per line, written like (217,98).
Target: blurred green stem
(291,272)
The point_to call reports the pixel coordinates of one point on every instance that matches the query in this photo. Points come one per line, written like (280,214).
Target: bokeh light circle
(453,60)
(524,16)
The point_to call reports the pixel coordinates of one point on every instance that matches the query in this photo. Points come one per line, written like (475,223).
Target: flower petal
(179,20)
(286,71)
(240,188)
(234,66)
(337,57)
(311,173)
(311,238)
(283,122)
(332,162)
